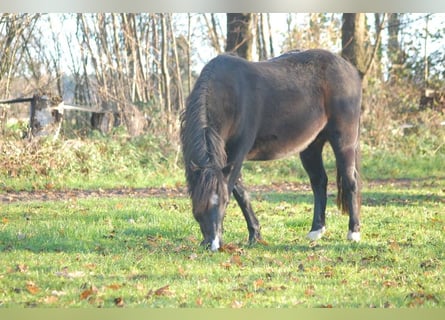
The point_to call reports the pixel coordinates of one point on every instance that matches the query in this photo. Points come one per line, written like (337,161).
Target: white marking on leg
(317,234)
(214,199)
(353,236)
(215,244)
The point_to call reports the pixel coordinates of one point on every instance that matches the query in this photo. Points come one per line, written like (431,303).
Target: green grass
(90,163)
(145,252)
(133,252)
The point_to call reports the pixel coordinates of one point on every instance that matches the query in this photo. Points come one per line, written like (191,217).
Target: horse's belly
(274,146)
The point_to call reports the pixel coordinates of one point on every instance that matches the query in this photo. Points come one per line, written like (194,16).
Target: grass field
(144,252)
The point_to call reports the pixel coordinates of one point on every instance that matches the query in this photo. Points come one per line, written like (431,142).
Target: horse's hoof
(353,236)
(216,244)
(317,234)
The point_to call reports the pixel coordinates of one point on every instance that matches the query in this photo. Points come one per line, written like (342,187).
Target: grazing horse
(240,110)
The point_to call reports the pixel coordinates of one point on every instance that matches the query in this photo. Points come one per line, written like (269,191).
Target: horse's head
(209,199)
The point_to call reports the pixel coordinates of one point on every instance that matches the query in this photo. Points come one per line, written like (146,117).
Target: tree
(353,40)
(239,34)
(395,52)
(312,30)
(212,27)
(15,33)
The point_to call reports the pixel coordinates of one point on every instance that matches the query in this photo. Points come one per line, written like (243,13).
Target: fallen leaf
(181,271)
(230,248)
(163,291)
(193,256)
(328,272)
(180,248)
(367,260)
(70,275)
(389,283)
(140,287)
(114,286)
(49,186)
(419,298)
(249,295)
(393,245)
(32,287)
(58,293)
(276,288)
(311,257)
(236,259)
(309,292)
(263,242)
(86,294)
(154,240)
(258,283)
(119,302)
(21,268)
(91,266)
(50,299)
(428,264)
(237,304)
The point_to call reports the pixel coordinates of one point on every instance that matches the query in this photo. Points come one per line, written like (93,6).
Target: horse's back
(279,106)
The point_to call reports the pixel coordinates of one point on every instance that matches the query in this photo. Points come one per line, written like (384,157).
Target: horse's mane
(203,149)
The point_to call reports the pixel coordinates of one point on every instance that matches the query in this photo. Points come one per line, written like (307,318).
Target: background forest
(131,74)
(145,64)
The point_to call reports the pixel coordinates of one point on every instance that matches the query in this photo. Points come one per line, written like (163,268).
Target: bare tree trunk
(156,64)
(261,38)
(269,27)
(394,47)
(239,34)
(189,54)
(353,40)
(178,70)
(213,31)
(140,74)
(165,73)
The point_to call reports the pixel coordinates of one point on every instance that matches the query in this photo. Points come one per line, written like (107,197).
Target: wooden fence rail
(46,116)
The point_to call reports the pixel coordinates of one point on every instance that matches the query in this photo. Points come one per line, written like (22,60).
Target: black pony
(240,110)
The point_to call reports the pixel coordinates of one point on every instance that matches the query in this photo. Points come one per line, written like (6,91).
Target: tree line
(141,66)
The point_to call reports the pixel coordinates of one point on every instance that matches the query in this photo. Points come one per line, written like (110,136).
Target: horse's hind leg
(243,200)
(313,164)
(348,182)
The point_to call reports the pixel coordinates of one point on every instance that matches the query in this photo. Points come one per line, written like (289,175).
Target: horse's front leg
(312,161)
(243,200)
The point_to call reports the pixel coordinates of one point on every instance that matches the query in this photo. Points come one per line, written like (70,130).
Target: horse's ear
(227,169)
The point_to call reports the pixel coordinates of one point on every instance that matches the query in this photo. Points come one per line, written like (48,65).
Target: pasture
(94,249)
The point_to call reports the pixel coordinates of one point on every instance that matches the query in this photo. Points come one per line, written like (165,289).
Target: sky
(279,27)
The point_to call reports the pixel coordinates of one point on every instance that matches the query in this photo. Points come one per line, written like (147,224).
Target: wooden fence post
(44,119)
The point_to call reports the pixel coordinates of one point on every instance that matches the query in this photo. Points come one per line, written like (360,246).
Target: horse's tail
(202,147)
(342,199)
